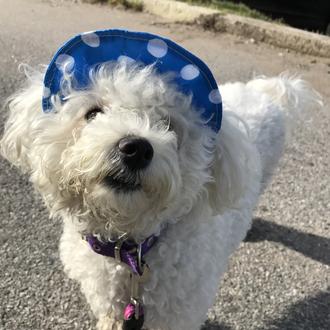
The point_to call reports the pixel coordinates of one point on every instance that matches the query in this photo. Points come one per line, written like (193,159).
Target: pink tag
(130,322)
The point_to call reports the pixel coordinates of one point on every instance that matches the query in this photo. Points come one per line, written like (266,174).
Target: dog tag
(134,313)
(130,321)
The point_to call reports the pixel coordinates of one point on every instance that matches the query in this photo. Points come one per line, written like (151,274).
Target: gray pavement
(280,276)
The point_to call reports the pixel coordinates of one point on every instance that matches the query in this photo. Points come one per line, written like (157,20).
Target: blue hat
(84,51)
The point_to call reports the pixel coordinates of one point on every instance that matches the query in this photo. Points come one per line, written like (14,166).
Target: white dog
(129,158)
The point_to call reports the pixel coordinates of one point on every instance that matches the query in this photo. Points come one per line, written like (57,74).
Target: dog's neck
(105,231)
(138,234)
(139,228)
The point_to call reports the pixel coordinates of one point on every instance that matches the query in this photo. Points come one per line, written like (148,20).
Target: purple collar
(123,250)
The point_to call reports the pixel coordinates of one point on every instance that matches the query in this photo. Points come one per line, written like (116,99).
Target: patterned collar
(123,250)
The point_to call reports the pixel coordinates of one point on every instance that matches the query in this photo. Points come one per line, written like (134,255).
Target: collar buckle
(118,245)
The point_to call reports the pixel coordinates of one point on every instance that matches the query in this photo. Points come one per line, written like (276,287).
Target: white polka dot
(46,92)
(215,96)
(189,72)
(64,62)
(126,59)
(157,47)
(91,39)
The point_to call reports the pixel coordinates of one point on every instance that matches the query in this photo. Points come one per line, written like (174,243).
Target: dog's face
(133,154)
(126,155)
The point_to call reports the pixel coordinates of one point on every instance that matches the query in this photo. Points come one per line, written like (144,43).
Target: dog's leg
(108,322)
(103,282)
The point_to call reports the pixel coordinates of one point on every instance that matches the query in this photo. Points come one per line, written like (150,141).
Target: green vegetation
(222,5)
(230,7)
(136,5)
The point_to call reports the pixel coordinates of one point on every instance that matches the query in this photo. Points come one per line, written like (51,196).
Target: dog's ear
(21,110)
(235,165)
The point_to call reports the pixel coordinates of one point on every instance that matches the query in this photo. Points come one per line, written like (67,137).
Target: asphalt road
(278,279)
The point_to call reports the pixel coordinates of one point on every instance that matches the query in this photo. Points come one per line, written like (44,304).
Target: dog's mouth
(122,184)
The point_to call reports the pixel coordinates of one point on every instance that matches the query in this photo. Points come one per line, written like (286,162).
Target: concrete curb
(261,31)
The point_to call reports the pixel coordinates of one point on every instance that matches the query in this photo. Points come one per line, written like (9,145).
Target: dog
(129,159)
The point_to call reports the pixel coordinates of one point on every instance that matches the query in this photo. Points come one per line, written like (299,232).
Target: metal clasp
(118,245)
(135,294)
(136,279)
(142,266)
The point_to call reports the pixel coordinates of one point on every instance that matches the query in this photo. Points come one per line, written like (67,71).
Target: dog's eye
(170,126)
(92,113)
(169,123)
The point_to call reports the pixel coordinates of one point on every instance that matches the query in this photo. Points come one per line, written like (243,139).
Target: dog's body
(198,193)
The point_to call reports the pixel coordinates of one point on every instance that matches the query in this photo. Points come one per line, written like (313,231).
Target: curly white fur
(198,193)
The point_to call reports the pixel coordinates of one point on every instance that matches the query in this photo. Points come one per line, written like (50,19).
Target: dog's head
(125,155)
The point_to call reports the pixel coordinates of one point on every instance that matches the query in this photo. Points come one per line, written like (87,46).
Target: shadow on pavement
(312,246)
(311,313)
(213,325)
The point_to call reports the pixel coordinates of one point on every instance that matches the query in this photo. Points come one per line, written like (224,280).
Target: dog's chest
(185,263)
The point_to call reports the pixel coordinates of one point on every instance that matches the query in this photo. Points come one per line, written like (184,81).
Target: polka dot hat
(84,51)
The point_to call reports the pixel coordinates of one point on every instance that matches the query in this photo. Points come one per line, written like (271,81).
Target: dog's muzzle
(135,152)
(129,157)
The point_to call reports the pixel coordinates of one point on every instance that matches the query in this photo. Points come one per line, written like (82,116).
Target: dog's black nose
(136,152)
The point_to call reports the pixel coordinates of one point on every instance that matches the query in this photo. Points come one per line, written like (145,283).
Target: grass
(135,5)
(230,7)
(222,5)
